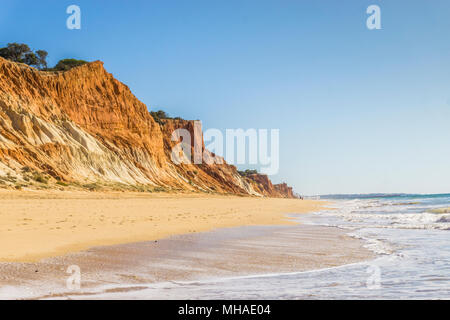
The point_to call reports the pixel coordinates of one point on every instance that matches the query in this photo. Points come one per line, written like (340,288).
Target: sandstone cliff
(83,127)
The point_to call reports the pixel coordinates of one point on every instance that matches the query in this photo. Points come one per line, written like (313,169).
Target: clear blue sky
(358,111)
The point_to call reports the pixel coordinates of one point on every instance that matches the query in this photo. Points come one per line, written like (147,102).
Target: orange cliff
(83,126)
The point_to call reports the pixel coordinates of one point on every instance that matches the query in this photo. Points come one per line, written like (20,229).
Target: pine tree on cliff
(20,52)
(15,52)
(42,59)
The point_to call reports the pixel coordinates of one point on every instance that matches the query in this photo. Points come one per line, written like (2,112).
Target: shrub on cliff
(67,64)
(247,172)
(159,115)
(38,177)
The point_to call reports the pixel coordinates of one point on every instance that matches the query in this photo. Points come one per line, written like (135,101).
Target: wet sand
(126,271)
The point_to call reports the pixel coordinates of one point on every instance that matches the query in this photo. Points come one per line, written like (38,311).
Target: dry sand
(40,224)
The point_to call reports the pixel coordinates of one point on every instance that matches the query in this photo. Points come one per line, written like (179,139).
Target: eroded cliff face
(83,126)
(262,184)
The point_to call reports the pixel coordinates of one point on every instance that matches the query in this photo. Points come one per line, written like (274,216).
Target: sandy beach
(124,242)
(40,224)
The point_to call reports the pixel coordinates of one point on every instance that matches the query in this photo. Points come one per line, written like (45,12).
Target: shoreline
(41,224)
(140,270)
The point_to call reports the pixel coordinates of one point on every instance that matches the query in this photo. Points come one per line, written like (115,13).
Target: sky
(359,110)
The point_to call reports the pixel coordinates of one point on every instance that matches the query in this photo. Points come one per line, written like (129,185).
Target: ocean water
(411,236)
(409,233)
